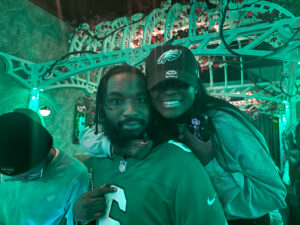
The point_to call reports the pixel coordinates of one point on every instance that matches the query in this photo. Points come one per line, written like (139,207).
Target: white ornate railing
(253,28)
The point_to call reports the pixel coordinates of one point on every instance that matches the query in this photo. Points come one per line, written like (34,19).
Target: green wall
(30,33)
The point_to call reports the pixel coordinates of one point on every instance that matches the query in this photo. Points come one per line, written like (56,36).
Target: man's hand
(91,205)
(202,150)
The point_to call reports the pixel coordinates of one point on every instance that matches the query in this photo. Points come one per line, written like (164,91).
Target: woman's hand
(202,150)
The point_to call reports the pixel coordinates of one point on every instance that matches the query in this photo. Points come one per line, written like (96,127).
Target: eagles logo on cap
(168,62)
(169,56)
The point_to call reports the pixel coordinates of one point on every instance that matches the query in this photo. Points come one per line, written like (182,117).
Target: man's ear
(196,91)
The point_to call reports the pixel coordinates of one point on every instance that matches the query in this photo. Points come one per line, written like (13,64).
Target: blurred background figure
(291,173)
(39,182)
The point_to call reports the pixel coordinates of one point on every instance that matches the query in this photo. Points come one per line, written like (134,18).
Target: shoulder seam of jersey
(180,145)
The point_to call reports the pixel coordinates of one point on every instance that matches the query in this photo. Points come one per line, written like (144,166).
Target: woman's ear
(196,91)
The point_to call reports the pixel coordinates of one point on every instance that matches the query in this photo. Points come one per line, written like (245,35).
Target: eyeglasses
(23,178)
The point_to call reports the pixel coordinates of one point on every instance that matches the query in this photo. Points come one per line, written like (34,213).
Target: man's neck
(137,148)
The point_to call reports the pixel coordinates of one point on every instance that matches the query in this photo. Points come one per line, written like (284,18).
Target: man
(39,183)
(148,185)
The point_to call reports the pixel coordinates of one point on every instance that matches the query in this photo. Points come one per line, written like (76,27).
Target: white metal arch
(85,70)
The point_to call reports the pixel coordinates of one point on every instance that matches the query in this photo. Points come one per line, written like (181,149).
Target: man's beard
(117,135)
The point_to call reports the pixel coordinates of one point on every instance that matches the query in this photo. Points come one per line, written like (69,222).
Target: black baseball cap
(174,62)
(24,142)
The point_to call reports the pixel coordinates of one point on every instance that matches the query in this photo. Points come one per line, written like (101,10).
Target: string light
(45,111)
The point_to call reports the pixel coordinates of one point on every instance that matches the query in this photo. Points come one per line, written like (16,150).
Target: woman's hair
(101,97)
(297,129)
(204,103)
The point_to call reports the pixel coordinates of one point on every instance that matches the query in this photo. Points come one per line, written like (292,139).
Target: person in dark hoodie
(39,183)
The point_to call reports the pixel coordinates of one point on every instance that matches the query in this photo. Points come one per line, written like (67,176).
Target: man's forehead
(126,83)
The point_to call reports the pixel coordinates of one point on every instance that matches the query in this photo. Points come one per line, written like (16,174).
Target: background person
(295,207)
(39,183)
(291,174)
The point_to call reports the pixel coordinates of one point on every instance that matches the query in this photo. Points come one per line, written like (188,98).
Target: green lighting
(283,119)
(34,100)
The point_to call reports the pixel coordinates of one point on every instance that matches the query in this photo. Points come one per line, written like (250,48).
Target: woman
(233,151)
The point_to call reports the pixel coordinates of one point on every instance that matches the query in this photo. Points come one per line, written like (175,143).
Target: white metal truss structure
(129,41)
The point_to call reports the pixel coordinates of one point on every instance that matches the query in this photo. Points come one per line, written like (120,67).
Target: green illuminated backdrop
(31,33)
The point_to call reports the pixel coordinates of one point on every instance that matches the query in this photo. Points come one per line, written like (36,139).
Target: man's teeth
(175,102)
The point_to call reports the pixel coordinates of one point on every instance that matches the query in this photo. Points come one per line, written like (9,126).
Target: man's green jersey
(167,186)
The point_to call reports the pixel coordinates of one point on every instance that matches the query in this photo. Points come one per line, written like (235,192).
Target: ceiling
(78,11)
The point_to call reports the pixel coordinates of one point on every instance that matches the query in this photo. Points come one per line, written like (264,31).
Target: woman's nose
(170,91)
